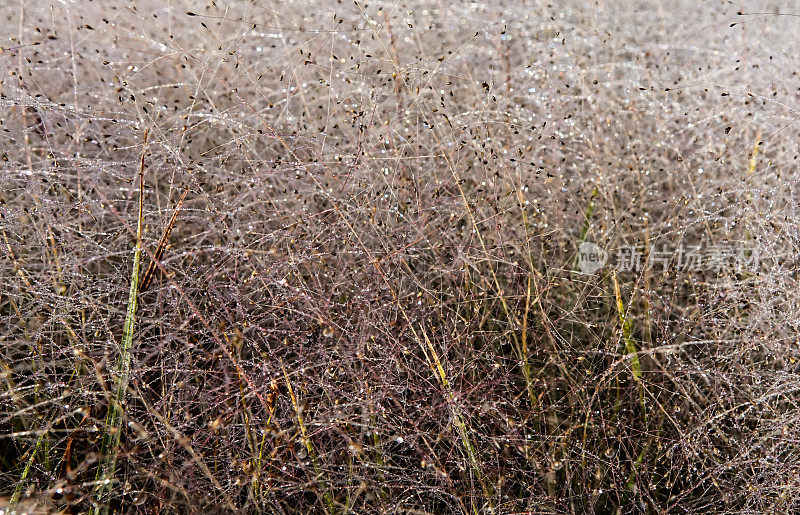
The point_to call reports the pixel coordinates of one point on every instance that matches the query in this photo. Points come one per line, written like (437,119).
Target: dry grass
(360,224)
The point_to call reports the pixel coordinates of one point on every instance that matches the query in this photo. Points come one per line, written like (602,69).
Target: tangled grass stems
(384,206)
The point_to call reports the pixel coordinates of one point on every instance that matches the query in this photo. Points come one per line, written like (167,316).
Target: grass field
(331,257)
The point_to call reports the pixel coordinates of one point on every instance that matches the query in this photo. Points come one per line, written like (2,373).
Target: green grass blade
(12,504)
(113,427)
